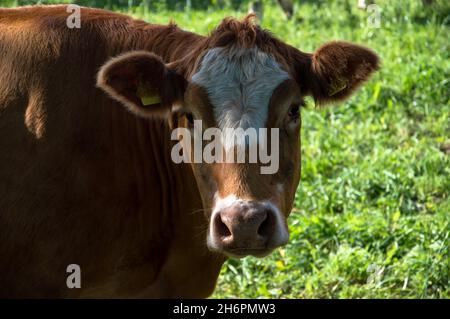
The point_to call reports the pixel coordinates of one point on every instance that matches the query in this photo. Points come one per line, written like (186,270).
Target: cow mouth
(244,252)
(241,252)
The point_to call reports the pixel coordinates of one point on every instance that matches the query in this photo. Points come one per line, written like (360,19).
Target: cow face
(245,89)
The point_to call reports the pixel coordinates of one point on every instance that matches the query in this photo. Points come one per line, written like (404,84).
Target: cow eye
(294,112)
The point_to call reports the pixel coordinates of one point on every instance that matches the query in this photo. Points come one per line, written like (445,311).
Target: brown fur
(84,181)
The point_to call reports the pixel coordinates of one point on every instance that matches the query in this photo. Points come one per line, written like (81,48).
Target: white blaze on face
(239,83)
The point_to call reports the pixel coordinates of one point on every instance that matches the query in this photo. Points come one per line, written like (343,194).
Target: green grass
(372,212)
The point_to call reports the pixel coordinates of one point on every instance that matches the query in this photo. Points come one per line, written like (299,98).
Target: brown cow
(86,181)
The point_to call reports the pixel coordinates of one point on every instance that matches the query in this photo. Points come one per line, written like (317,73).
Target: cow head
(240,77)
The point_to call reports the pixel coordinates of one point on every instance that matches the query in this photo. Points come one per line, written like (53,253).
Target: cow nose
(244,229)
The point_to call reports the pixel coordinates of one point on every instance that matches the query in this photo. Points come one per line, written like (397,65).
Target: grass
(372,212)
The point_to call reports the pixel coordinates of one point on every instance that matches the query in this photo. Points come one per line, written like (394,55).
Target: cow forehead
(239,83)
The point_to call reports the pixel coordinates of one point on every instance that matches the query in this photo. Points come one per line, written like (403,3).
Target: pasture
(372,212)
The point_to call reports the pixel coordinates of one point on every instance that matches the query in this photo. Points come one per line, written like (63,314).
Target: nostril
(267,226)
(221,228)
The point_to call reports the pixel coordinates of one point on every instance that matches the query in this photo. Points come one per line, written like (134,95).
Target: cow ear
(142,82)
(337,69)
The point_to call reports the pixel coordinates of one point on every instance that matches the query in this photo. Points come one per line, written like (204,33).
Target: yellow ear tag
(148,96)
(337,87)
(150,100)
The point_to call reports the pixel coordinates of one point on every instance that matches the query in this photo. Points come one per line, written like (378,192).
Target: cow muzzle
(239,228)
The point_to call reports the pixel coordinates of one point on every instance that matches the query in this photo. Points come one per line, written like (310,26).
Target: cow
(87,180)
